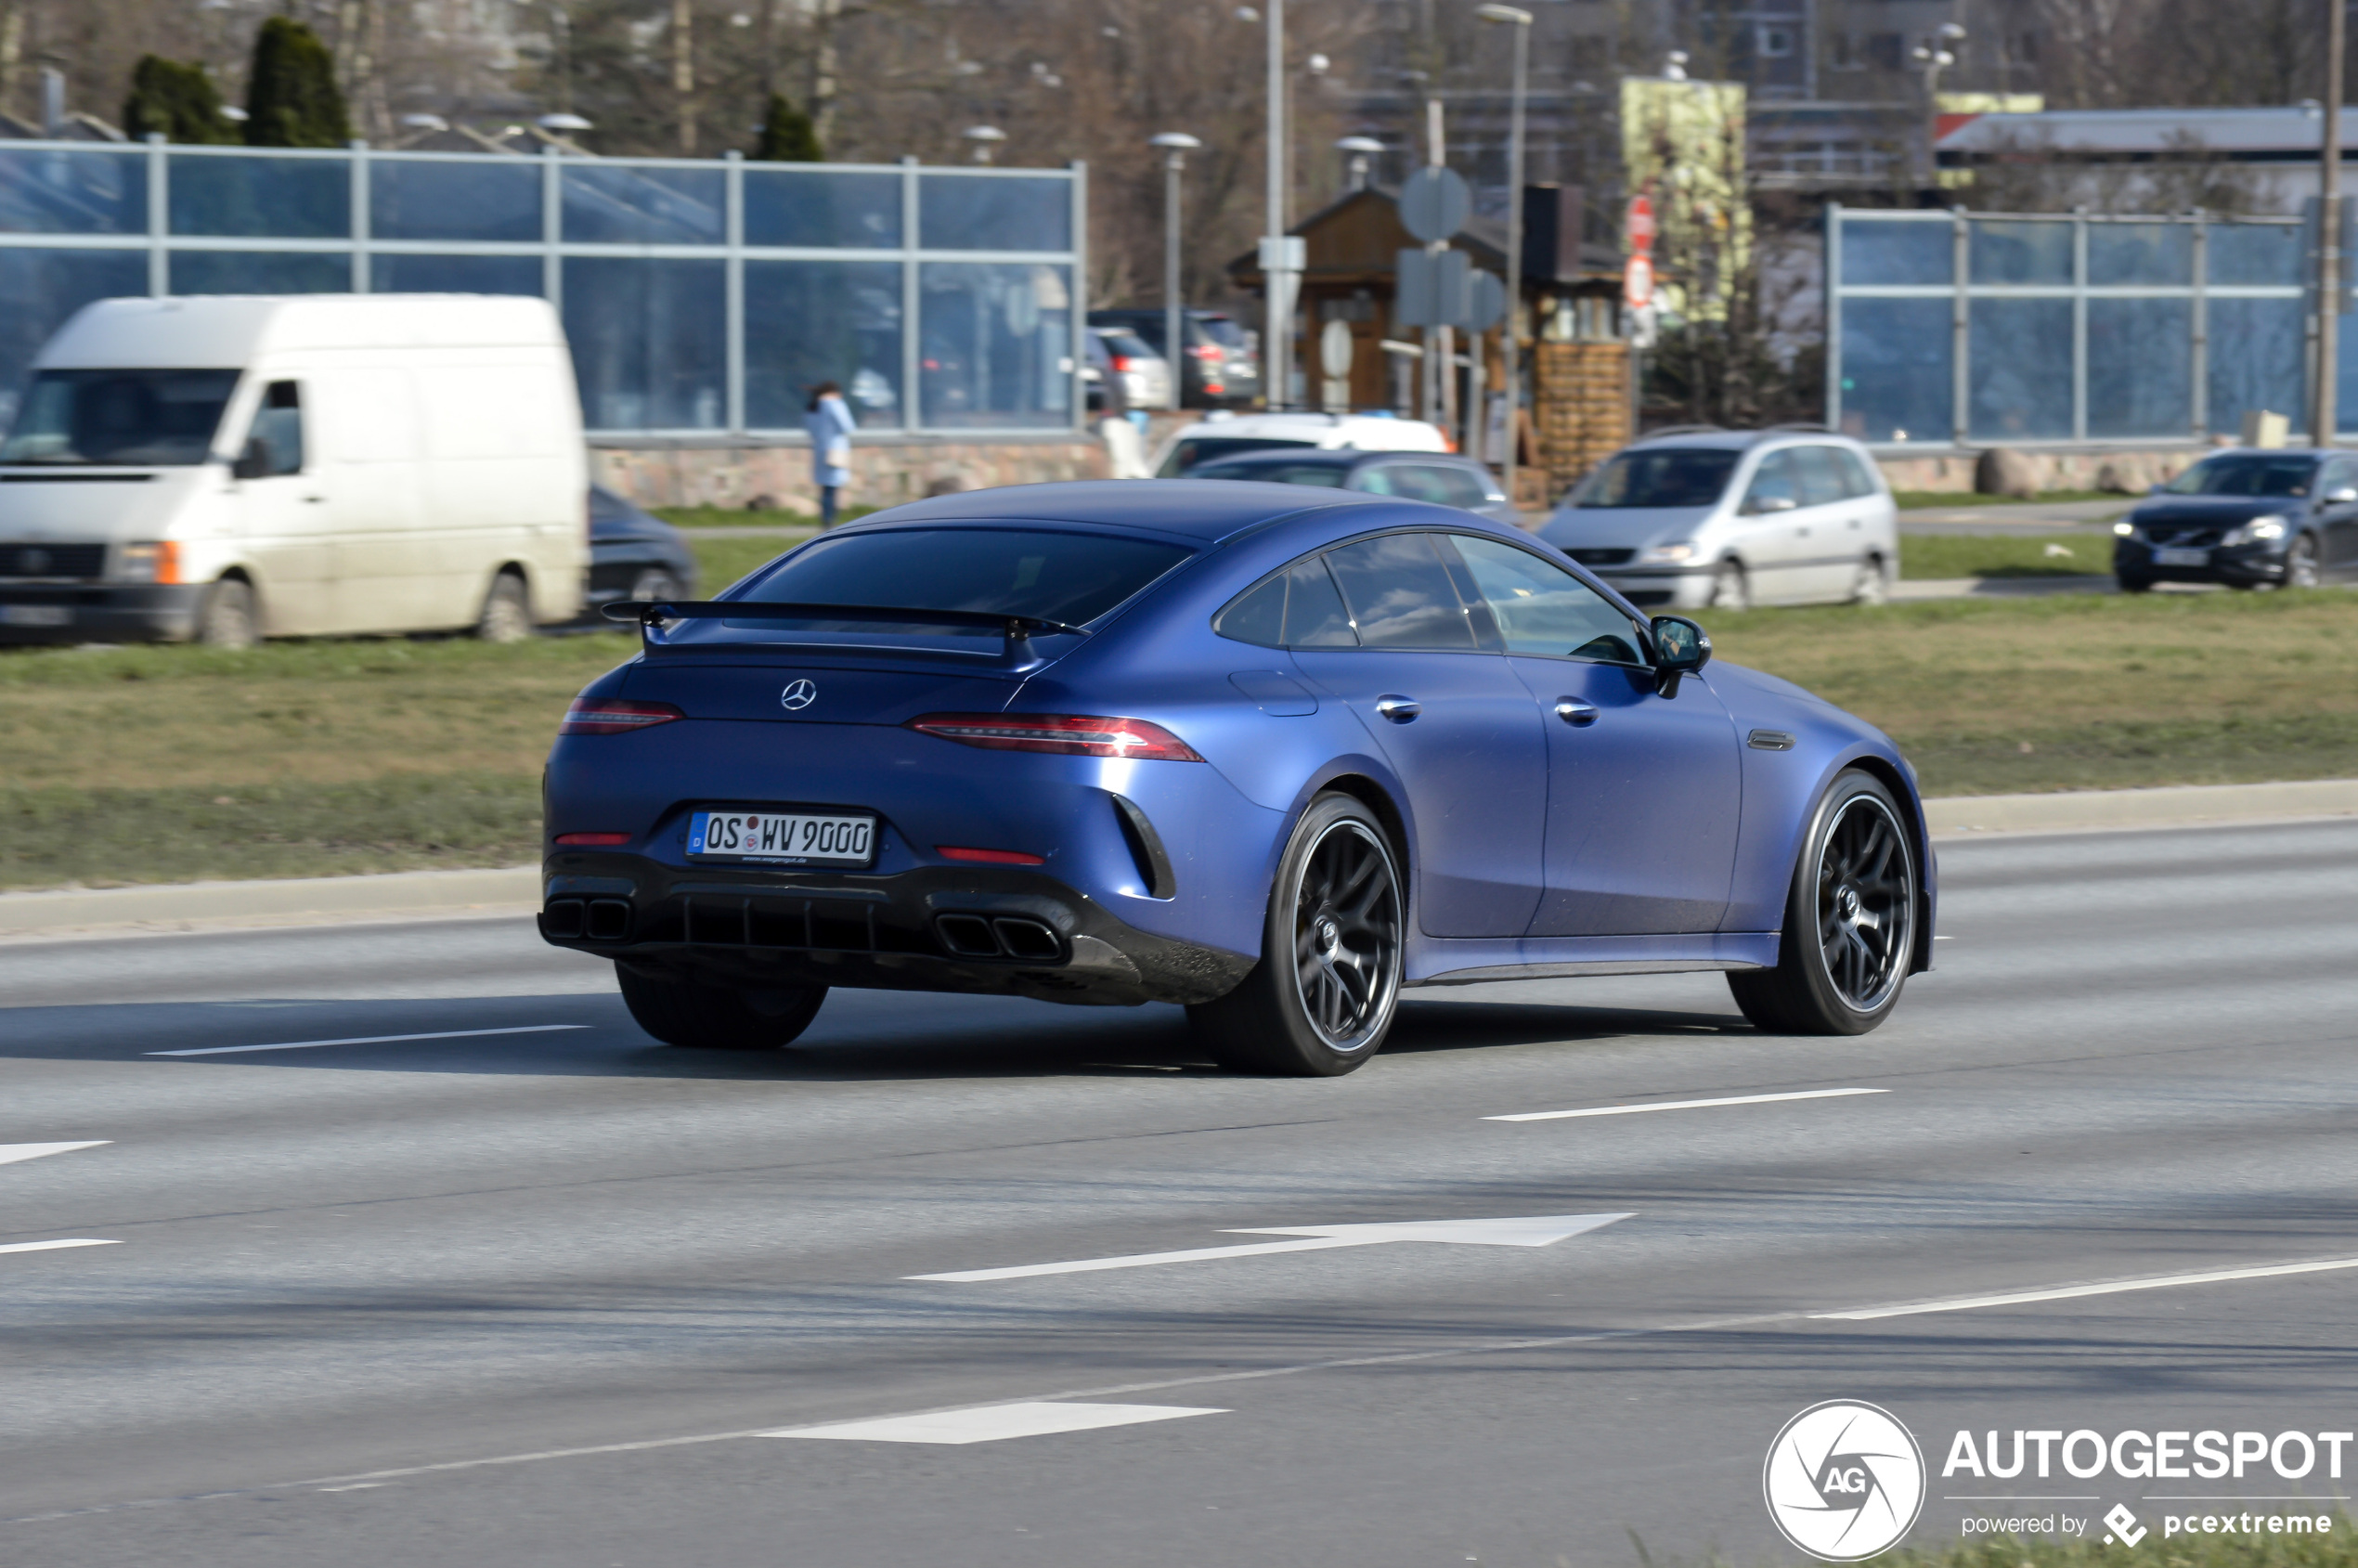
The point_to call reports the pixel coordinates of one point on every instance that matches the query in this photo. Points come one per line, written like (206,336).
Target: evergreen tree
(291,100)
(786,135)
(176,99)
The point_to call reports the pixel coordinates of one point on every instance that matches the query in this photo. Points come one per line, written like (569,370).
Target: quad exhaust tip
(1006,935)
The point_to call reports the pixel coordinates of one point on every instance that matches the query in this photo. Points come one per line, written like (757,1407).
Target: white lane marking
(651,1445)
(355,1486)
(1537,1230)
(2111,1288)
(1685,1105)
(54,1245)
(993,1423)
(366,1040)
(11,1153)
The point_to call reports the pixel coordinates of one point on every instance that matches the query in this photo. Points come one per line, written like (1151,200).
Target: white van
(1224,434)
(230,467)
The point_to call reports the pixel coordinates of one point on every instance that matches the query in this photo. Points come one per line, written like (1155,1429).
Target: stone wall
(2128,470)
(884,473)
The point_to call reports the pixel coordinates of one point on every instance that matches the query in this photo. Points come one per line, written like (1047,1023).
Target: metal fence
(1995,328)
(702,298)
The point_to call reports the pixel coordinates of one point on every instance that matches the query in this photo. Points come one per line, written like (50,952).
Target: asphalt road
(370,1303)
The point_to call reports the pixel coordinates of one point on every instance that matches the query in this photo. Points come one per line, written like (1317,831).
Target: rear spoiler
(1016,629)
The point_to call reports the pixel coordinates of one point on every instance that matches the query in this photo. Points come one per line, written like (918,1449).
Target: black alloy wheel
(1850,921)
(1321,998)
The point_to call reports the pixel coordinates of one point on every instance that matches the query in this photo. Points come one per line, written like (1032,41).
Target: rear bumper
(93,613)
(984,930)
(2252,564)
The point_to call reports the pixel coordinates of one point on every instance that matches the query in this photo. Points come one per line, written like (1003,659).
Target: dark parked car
(2248,519)
(634,554)
(1220,366)
(1417,476)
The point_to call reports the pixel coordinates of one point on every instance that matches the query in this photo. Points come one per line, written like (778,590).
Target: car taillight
(1121,362)
(1205,351)
(605,715)
(987,857)
(593,841)
(1063,733)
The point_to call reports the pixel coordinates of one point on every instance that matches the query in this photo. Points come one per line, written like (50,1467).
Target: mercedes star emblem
(800,696)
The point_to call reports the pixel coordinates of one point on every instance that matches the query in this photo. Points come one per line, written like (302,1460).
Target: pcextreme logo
(1844,1481)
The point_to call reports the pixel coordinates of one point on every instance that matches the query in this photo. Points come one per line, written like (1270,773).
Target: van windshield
(87,418)
(1204,448)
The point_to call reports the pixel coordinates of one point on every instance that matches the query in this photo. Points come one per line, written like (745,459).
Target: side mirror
(1759,504)
(254,461)
(2340,495)
(1681,648)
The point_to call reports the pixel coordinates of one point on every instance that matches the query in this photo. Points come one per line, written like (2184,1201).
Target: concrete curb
(516,890)
(2181,804)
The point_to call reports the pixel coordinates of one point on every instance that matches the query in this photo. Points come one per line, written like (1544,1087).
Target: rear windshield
(1223,332)
(2245,476)
(83,418)
(1060,577)
(1667,476)
(1328,475)
(1204,448)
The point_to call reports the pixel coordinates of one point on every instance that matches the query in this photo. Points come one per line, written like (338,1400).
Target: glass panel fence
(1886,252)
(649,342)
(993,212)
(2022,252)
(805,207)
(2141,361)
(994,345)
(261,196)
(1897,356)
(990,346)
(50,192)
(808,322)
(482,198)
(2141,254)
(2018,359)
(2255,255)
(2256,353)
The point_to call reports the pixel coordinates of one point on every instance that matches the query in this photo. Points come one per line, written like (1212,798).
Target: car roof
(1331,457)
(1203,510)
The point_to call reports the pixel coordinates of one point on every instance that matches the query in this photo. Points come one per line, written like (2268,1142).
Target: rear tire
(710,1017)
(655,585)
(1869,587)
(1321,1000)
(226,619)
(1850,920)
(2300,562)
(2135,585)
(507,611)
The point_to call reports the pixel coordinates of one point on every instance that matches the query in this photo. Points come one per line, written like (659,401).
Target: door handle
(1399,709)
(314,500)
(1575,712)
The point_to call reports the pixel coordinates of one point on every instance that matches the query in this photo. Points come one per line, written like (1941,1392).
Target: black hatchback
(2248,519)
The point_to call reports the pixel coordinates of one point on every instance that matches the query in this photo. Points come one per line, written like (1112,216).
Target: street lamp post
(2330,261)
(1175,147)
(985,139)
(1361,148)
(1276,355)
(1935,53)
(1520,21)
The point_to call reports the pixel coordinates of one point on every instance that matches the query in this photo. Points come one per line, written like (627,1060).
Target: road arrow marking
(1685,1105)
(992,1423)
(11,1153)
(54,1245)
(1536,1230)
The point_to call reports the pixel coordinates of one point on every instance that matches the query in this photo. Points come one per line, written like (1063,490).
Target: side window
(1400,594)
(1452,487)
(1541,608)
(1822,480)
(2339,474)
(1863,483)
(277,424)
(1776,484)
(1377,479)
(1298,608)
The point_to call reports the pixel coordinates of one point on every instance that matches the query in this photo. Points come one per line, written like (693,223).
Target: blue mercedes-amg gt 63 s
(1273,755)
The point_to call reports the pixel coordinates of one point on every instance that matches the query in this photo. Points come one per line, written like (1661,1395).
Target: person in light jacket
(830,424)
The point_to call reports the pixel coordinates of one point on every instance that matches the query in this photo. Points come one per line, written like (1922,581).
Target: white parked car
(1225,435)
(230,467)
(1729,519)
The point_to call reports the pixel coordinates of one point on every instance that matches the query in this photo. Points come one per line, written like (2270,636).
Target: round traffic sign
(1638,283)
(1485,302)
(1640,225)
(1434,203)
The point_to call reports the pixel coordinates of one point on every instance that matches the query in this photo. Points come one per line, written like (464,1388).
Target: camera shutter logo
(800,696)
(1844,1481)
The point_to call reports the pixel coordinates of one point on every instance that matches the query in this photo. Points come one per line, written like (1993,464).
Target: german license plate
(785,838)
(36,615)
(2181,558)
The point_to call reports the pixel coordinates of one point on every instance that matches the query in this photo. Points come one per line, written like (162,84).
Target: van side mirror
(2341,495)
(1681,648)
(1759,504)
(254,461)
